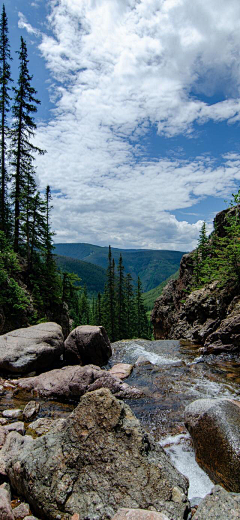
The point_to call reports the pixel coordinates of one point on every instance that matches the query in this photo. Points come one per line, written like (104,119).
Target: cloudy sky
(139,116)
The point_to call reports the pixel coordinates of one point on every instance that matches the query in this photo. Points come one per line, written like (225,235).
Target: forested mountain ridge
(152,266)
(203,304)
(91,275)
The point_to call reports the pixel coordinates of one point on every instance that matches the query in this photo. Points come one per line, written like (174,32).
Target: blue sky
(139,114)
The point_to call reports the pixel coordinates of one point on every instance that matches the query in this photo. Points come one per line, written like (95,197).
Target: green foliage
(13,298)
(218,258)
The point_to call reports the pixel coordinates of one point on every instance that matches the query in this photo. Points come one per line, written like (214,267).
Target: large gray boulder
(30,349)
(87,344)
(214,425)
(73,381)
(219,504)
(96,461)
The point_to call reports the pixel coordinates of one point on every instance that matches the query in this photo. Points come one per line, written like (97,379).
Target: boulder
(219,504)
(121,370)
(98,460)
(32,348)
(15,427)
(87,344)
(5,503)
(138,514)
(12,414)
(214,425)
(74,381)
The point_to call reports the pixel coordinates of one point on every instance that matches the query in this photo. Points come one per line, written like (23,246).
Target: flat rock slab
(87,344)
(97,461)
(219,505)
(32,348)
(74,381)
(138,514)
(121,370)
(214,425)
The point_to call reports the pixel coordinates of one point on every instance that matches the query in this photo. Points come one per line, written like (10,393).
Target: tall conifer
(22,132)
(5,79)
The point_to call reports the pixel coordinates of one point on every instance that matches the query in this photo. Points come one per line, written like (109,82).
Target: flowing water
(172,375)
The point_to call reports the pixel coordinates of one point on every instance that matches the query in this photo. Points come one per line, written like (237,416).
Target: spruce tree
(5,79)
(142,328)
(121,301)
(22,149)
(129,299)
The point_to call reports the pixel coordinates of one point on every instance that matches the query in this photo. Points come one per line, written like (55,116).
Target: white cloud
(23,24)
(119,68)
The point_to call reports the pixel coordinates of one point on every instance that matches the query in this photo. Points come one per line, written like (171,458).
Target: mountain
(153,266)
(149,297)
(92,275)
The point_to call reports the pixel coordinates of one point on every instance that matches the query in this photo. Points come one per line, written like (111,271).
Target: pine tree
(129,298)
(5,79)
(121,303)
(142,328)
(109,299)
(22,149)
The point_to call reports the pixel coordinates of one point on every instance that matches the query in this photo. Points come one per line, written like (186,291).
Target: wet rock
(121,370)
(214,425)
(100,460)
(86,345)
(30,410)
(21,511)
(5,503)
(12,414)
(142,360)
(138,514)
(219,504)
(15,427)
(35,347)
(74,381)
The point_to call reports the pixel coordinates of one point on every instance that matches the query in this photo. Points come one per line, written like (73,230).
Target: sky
(139,115)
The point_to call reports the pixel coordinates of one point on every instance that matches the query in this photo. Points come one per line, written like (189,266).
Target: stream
(172,375)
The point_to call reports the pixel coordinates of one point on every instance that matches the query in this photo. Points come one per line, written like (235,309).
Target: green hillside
(92,275)
(153,266)
(150,297)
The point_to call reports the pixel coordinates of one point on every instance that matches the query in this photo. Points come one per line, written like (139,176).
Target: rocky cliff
(209,316)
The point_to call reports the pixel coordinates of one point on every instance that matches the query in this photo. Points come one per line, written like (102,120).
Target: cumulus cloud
(121,68)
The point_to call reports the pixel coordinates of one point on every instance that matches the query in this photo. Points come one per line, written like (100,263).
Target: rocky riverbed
(161,379)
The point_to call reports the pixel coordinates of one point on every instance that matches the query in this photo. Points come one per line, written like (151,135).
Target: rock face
(74,381)
(33,348)
(214,425)
(97,461)
(87,344)
(208,316)
(138,514)
(219,504)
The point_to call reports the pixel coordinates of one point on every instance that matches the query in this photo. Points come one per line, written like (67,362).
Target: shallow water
(176,376)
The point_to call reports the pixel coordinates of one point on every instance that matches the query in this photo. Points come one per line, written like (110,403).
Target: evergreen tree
(5,79)
(110,299)
(142,328)
(84,307)
(98,315)
(130,314)
(121,303)
(22,149)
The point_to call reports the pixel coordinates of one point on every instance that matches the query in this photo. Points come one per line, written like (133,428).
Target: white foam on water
(135,351)
(183,458)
